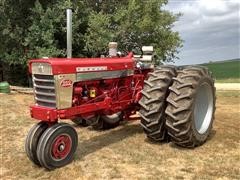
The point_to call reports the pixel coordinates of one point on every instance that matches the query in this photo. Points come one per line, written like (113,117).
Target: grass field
(124,152)
(225,72)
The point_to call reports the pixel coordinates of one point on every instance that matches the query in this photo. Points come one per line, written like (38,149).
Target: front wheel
(57,146)
(191,106)
(32,140)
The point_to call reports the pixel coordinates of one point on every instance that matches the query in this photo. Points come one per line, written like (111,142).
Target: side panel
(64,90)
(104,75)
(64,84)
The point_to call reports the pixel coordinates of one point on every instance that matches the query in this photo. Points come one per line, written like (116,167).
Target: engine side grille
(44,90)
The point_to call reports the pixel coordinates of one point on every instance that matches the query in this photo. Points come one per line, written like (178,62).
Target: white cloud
(208,26)
(213,5)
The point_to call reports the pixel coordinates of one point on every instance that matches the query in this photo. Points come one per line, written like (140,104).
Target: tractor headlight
(41,68)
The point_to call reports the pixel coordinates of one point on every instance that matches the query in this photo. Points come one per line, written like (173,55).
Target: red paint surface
(112,95)
(115,95)
(68,66)
(61,140)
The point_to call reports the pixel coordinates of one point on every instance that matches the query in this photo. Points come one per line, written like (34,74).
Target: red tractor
(176,103)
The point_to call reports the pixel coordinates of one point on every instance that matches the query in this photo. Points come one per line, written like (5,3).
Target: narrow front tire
(57,146)
(32,140)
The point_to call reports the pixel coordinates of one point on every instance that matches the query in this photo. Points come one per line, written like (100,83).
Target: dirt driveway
(227,86)
(124,152)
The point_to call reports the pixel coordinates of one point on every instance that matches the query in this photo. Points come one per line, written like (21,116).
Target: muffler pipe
(69,33)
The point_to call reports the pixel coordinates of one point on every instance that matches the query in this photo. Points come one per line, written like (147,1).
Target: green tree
(36,28)
(13,28)
(134,23)
(47,33)
(40,40)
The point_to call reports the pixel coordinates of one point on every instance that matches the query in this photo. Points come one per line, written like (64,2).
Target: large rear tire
(153,102)
(191,106)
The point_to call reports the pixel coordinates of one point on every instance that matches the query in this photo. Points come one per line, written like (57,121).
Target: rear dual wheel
(180,104)
(55,146)
(153,102)
(191,106)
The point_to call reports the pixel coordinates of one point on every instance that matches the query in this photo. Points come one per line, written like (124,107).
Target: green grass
(227,94)
(226,71)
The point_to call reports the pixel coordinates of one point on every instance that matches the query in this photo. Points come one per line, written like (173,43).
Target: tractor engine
(82,87)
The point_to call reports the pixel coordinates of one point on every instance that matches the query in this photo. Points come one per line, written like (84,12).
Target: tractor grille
(44,90)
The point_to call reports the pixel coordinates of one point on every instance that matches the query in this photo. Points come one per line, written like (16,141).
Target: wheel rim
(61,146)
(203,109)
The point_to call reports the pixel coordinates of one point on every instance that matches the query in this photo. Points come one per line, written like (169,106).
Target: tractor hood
(57,66)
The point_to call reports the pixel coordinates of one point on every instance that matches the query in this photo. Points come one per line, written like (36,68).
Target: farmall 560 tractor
(176,103)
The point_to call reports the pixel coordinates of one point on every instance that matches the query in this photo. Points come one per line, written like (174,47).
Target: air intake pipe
(69,33)
(112,49)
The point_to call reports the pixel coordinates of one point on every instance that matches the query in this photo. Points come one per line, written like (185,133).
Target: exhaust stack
(69,33)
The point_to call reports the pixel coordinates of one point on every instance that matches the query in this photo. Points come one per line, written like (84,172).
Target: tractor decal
(96,68)
(66,83)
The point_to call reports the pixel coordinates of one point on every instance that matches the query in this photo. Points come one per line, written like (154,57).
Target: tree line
(37,28)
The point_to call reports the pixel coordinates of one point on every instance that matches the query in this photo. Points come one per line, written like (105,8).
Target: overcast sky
(210,29)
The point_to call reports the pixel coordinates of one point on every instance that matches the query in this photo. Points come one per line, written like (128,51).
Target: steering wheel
(132,47)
